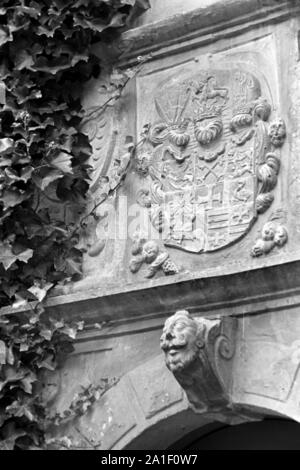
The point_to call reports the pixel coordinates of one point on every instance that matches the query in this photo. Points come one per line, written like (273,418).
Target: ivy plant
(45,59)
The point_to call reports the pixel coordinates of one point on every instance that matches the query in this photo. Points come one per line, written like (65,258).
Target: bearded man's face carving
(181,341)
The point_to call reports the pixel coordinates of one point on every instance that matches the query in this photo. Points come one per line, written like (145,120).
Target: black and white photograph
(149,228)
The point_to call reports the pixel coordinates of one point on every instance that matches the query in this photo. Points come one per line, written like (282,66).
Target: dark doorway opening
(270,434)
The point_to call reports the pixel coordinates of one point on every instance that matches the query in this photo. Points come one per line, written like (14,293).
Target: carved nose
(163,344)
(163,339)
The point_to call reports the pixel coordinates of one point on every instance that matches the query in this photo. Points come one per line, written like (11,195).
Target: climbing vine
(45,59)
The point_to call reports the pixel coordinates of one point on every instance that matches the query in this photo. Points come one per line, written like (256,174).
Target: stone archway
(147,409)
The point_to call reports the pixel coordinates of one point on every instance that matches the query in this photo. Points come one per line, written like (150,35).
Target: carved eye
(169,336)
(200,343)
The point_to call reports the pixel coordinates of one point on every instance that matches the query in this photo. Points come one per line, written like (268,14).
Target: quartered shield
(208,141)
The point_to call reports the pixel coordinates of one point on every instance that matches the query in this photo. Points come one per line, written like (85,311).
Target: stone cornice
(244,293)
(91,338)
(202,26)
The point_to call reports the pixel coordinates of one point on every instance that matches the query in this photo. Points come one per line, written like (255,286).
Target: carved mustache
(175,345)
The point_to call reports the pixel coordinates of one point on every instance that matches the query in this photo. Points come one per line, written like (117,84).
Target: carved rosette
(211,160)
(194,349)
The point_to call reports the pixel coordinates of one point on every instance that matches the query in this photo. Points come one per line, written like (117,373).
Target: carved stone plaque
(212,158)
(208,168)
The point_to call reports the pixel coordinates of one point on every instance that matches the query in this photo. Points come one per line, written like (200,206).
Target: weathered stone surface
(267,362)
(154,388)
(111,418)
(212,160)
(262,380)
(192,144)
(203,25)
(163,9)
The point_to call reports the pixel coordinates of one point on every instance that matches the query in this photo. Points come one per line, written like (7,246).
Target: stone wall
(177,195)
(161,10)
(218,105)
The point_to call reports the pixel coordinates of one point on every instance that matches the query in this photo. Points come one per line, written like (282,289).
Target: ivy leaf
(51,175)
(27,382)
(18,410)
(46,333)
(26,173)
(12,197)
(8,444)
(144,4)
(24,347)
(11,375)
(5,162)
(82,149)
(8,258)
(54,66)
(73,267)
(23,60)
(5,36)
(6,146)
(24,176)
(10,433)
(80,325)
(63,162)
(19,302)
(42,29)
(71,332)
(2,352)
(2,93)
(47,57)
(48,363)
(34,12)
(40,292)
(10,358)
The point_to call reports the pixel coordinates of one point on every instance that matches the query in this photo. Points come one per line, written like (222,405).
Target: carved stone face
(142,163)
(268,231)
(180,341)
(281,236)
(277,132)
(150,251)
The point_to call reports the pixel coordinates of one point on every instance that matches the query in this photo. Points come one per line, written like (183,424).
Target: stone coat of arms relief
(211,160)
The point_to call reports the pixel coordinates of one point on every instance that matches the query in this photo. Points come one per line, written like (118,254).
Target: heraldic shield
(212,159)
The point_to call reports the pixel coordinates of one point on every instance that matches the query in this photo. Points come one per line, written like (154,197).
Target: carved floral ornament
(147,251)
(273,235)
(210,162)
